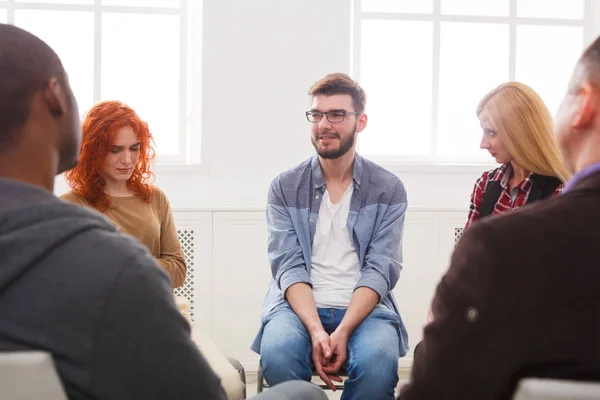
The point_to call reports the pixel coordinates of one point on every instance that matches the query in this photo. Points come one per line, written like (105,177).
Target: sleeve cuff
(291,277)
(375,282)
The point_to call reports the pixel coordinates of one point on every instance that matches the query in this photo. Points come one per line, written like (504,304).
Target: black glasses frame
(310,116)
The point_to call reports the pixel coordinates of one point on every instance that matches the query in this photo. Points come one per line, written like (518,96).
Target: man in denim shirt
(335,225)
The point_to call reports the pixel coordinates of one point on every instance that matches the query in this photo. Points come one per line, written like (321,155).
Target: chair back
(29,375)
(552,389)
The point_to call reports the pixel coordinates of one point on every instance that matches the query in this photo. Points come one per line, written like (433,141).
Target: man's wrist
(315,329)
(344,330)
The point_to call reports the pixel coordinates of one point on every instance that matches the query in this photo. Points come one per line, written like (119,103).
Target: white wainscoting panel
(241,274)
(419,274)
(451,224)
(196,236)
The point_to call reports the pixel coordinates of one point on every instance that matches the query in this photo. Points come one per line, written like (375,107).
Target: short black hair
(26,65)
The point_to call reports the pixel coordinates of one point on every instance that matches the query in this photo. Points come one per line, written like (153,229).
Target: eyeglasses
(332,116)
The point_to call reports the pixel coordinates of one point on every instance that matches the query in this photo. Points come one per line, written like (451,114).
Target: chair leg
(240,369)
(259,380)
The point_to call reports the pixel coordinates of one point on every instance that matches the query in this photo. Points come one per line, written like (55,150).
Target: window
(135,51)
(425,64)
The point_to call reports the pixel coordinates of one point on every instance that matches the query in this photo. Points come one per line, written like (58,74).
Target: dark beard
(345,145)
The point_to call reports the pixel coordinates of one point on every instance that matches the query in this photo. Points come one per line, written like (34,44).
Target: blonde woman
(517,132)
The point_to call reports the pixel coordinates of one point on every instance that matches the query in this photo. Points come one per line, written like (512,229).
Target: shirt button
(316,186)
(311,220)
(472,314)
(317,197)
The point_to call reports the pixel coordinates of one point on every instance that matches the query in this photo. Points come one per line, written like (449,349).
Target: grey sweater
(71,285)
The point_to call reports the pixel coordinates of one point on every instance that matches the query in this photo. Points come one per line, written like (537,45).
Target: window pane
(404,6)
(3,16)
(140,66)
(572,9)
(473,60)
(75,51)
(496,8)
(142,3)
(89,2)
(546,56)
(396,75)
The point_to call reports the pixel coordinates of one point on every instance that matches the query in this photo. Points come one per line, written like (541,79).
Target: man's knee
(377,364)
(282,352)
(285,349)
(284,338)
(377,358)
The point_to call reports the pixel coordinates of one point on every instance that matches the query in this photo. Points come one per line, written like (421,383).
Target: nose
(485,143)
(126,157)
(323,123)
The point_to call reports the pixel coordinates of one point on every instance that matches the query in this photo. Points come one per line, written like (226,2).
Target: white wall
(259,59)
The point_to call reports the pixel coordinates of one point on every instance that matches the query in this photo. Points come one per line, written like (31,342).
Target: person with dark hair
(112,176)
(71,284)
(335,226)
(520,298)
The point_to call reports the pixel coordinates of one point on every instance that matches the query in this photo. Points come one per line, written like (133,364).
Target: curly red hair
(99,127)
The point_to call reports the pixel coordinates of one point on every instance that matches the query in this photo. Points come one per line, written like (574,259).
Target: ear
(586,107)
(55,97)
(362,122)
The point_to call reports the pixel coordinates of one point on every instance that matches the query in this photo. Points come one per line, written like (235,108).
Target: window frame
(439,163)
(188,151)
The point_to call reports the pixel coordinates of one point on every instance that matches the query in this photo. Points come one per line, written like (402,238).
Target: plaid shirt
(509,199)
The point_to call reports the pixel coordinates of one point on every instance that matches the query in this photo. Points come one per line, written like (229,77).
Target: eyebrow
(323,112)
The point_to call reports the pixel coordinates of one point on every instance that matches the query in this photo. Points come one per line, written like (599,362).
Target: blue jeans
(373,351)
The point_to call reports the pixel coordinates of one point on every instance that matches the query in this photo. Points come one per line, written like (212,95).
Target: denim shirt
(376,221)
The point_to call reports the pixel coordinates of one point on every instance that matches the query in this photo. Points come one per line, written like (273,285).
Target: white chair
(552,389)
(29,375)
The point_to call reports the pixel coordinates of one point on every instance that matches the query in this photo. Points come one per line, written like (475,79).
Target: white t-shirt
(335,269)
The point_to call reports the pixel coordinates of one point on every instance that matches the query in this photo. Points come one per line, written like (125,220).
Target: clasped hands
(329,354)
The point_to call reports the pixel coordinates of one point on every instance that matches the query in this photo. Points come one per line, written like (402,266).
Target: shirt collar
(317,173)
(584,173)
(504,176)
(505,171)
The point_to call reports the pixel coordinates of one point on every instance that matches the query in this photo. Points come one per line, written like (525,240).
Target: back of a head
(589,64)
(26,66)
(524,124)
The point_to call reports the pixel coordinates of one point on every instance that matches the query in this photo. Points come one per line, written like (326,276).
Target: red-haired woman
(112,177)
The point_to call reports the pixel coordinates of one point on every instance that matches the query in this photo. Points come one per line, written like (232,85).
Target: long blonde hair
(524,124)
